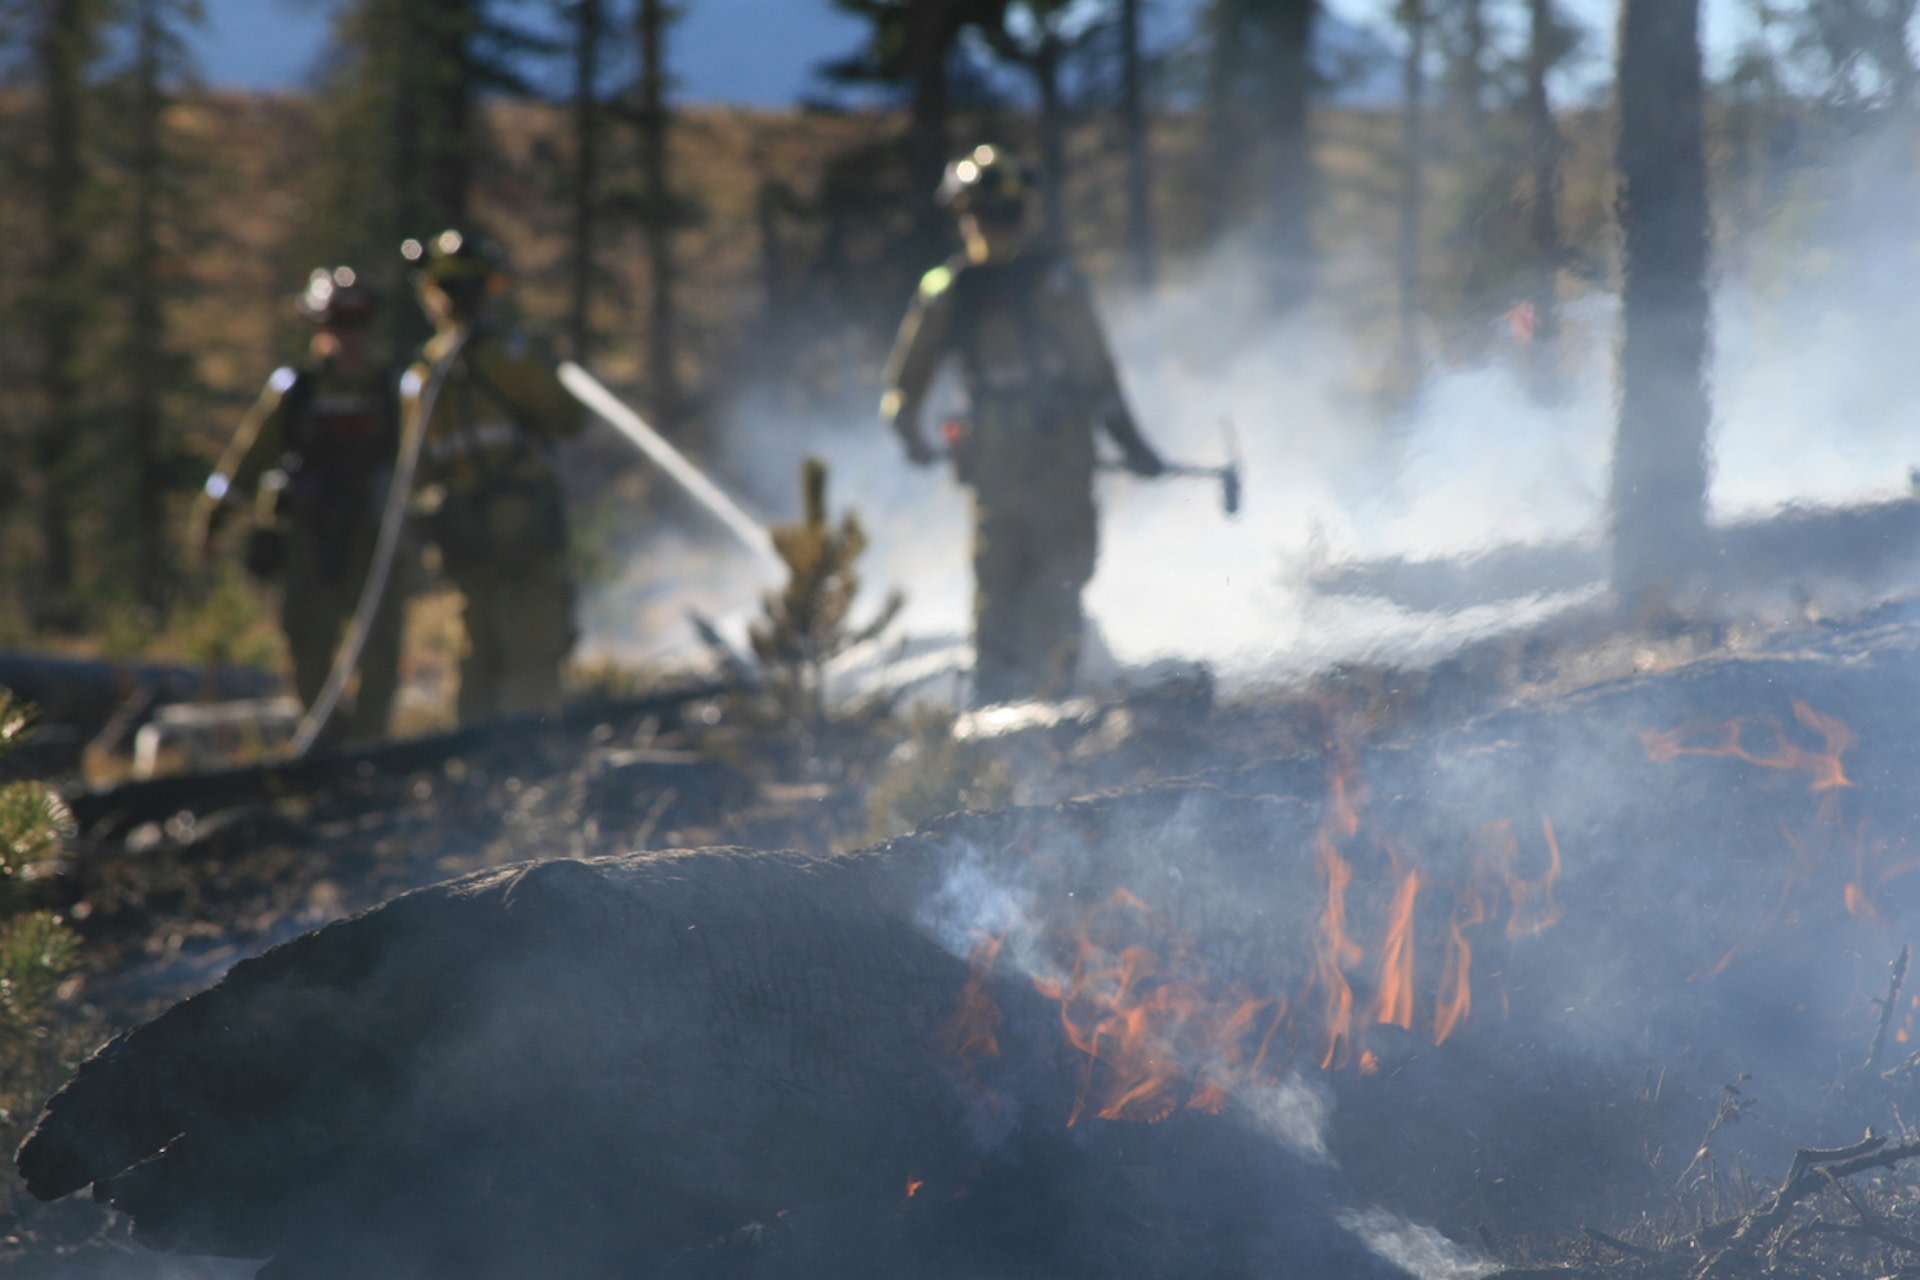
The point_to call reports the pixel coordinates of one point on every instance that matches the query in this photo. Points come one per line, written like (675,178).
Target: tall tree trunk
(1659,489)
(1544,149)
(64,45)
(1471,75)
(1293,185)
(1133,121)
(932,28)
(145,324)
(1407,258)
(447,65)
(407,214)
(657,222)
(1053,128)
(589,18)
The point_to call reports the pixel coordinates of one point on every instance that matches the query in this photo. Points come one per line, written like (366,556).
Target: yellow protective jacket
(1038,375)
(489,448)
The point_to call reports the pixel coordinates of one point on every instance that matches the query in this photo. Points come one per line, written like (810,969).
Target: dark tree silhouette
(1547,44)
(150,368)
(65,40)
(1413,20)
(1261,86)
(1133,117)
(1659,490)
(659,215)
(589,26)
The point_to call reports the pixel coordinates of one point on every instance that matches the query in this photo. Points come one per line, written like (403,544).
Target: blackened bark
(1133,121)
(64,43)
(657,222)
(1659,489)
(1544,146)
(589,19)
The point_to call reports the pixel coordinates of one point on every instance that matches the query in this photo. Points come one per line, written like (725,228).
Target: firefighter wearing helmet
(1040,383)
(312,460)
(488,483)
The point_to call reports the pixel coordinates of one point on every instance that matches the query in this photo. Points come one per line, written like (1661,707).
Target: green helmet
(987,182)
(456,254)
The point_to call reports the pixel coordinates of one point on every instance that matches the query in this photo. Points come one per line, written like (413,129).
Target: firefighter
(1039,381)
(488,483)
(316,454)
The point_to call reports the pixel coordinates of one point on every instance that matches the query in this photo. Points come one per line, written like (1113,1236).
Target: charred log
(618,1067)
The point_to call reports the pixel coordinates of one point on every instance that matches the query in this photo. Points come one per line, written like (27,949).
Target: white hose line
(393,521)
(751,534)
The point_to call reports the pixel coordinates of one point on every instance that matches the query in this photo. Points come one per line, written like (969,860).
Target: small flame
(1145,1027)
(913,1187)
(1455,998)
(1823,768)
(974,1030)
(1337,951)
(1393,1006)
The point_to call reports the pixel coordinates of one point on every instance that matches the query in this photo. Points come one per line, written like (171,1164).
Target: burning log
(612,1067)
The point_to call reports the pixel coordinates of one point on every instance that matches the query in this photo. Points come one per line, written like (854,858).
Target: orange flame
(1143,1026)
(1815,863)
(974,1030)
(1337,950)
(1393,1006)
(1455,998)
(1823,768)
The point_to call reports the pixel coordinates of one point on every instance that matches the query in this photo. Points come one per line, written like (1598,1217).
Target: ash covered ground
(1520,928)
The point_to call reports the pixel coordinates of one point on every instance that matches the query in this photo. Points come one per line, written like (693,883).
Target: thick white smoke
(1815,394)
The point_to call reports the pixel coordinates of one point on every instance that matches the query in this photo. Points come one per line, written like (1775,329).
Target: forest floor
(1533,1122)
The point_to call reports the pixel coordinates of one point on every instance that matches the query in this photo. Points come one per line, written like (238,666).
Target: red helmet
(336,296)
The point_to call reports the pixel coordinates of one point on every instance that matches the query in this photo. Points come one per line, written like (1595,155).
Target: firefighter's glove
(1144,462)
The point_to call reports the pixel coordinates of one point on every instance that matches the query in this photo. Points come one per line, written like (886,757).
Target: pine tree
(1413,18)
(404,134)
(589,24)
(659,212)
(1133,121)
(37,950)
(1261,83)
(1548,43)
(809,622)
(66,40)
(908,45)
(1659,487)
(151,371)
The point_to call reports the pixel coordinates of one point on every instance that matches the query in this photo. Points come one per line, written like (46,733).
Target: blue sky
(749,51)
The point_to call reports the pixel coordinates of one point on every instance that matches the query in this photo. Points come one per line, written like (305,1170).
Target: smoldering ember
(1338,694)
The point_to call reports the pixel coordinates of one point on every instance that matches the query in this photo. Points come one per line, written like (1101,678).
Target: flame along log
(603,1068)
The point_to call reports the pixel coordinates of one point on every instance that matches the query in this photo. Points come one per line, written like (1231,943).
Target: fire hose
(393,519)
(750,533)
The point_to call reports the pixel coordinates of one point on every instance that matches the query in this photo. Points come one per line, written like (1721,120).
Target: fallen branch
(1813,1170)
(1884,1234)
(1620,1246)
(1894,981)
